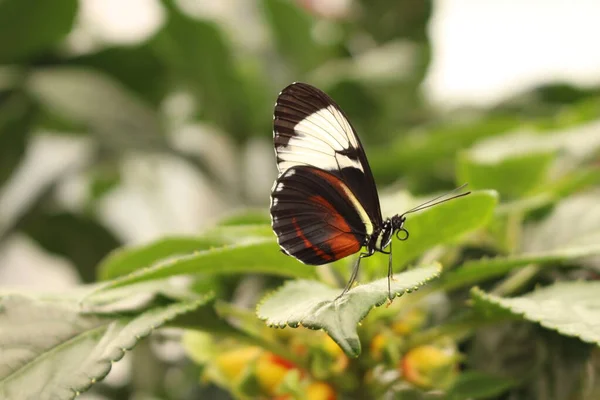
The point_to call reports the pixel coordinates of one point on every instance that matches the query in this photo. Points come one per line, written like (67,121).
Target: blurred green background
(123,121)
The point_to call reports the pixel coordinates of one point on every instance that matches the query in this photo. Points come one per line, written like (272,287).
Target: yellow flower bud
(430,367)
(232,363)
(410,322)
(377,346)
(320,391)
(341,360)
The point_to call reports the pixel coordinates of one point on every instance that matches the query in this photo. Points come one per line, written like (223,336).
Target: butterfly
(324,203)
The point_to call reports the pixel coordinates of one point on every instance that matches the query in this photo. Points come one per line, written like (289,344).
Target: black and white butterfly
(324,204)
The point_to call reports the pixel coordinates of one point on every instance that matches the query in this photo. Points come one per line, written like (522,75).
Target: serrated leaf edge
(493,299)
(164,263)
(121,352)
(396,294)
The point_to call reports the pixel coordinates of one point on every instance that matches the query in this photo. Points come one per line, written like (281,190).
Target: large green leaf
(134,298)
(54,351)
(313,305)
(473,272)
(30,26)
(443,224)
(98,102)
(260,256)
(570,233)
(129,259)
(511,177)
(570,308)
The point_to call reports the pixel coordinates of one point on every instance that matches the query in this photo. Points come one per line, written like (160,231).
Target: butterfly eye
(404,233)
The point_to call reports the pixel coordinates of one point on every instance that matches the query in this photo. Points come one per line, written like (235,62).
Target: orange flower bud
(271,370)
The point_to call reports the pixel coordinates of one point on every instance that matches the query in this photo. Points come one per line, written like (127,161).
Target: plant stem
(513,283)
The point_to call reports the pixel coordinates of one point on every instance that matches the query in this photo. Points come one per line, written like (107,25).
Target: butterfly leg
(390,275)
(354,273)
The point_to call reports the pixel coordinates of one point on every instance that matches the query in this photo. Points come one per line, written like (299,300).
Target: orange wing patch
(343,242)
(308,243)
(313,218)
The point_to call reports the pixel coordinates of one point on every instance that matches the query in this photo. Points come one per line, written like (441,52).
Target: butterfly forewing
(315,217)
(311,130)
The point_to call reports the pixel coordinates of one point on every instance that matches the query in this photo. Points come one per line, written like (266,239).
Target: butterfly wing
(315,216)
(310,129)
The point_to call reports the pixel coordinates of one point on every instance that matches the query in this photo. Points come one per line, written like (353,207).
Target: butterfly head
(389,227)
(397,223)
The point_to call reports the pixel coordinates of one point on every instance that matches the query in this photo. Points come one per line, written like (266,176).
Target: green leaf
(53,351)
(134,298)
(16,121)
(570,308)
(248,217)
(98,102)
(292,31)
(569,233)
(573,145)
(473,272)
(406,392)
(515,164)
(511,177)
(478,385)
(423,155)
(197,51)
(574,221)
(81,239)
(313,305)
(582,178)
(385,21)
(208,320)
(29,26)
(129,259)
(136,67)
(444,223)
(260,256)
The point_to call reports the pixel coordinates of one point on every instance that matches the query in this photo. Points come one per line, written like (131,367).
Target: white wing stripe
(345,125)
(313,144)
(316,125)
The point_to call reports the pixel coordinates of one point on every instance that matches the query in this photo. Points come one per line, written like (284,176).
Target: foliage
(495,292)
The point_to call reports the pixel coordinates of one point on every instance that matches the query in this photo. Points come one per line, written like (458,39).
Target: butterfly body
(324,203)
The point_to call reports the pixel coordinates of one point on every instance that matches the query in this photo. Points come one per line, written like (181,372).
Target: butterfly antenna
(435,202)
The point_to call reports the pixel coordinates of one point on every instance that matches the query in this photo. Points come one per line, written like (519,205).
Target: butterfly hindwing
(315,216)
(310,129)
